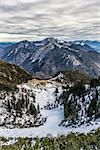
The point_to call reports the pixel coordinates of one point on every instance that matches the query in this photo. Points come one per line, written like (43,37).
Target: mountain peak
(47,57)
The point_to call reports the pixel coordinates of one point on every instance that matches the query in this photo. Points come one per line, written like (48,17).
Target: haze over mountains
(47,57)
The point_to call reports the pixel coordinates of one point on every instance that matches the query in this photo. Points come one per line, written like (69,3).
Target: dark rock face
(45,58)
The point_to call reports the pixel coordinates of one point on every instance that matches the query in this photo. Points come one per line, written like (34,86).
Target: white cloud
(33,19)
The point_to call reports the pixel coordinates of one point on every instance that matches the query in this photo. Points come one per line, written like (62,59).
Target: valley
(47,94)
(49,74)
(60,98)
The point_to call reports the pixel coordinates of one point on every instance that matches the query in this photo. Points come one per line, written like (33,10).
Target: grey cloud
(69,19)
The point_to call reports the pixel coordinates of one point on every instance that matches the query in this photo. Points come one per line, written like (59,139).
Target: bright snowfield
(46,93)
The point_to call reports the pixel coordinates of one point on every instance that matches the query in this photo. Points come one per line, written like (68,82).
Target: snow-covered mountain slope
(49,56)
(4,49)
(17,107)
(48,95)
(94,44)
(84,109)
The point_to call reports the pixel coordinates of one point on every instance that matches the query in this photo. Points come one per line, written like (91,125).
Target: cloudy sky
(36,19)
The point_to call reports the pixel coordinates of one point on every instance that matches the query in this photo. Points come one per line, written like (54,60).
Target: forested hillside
(11,75)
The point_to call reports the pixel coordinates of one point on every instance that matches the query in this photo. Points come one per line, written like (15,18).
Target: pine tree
(8,106)
(38,109)
(32,110)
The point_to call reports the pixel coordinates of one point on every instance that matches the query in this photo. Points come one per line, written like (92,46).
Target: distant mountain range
(47,57)
(93,44)
(3,47)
